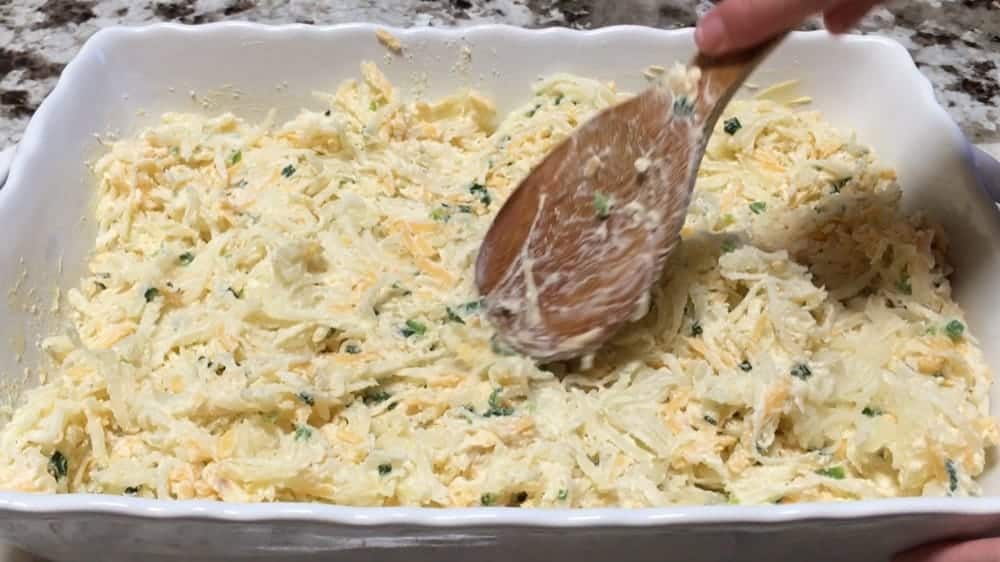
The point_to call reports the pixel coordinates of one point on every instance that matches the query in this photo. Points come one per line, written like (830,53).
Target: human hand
(738,24)
(983,550)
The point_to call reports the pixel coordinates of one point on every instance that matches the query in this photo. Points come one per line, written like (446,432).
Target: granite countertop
(956,43)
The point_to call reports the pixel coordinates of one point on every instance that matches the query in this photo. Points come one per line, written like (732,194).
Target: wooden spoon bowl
(573,253)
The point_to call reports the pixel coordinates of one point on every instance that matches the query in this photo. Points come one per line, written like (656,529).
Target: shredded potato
(287,312)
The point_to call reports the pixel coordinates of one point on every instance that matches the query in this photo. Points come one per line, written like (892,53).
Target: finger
(737,24)
(843,16)
(983,550)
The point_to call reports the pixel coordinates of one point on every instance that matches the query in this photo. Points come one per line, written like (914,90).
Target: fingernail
(710,35)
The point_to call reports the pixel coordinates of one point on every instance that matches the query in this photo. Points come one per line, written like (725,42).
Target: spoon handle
(721,77)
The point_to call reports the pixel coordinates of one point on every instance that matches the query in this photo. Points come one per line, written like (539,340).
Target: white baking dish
(123,78)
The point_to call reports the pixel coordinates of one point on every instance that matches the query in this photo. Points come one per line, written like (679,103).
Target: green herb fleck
(904,285)
(495,409)
(235,293)
(871,412)
(186,258)
(372,106)
(384,469)
(441,214)
(745,366)
(58,465)
(288,170)
(683,107)
(487,499)
(479,190)
(758,207)
(533,111)
(954,330)
(132,490)
(453,316)
(559,99)
(839,184)
(801,371)
(375,396)
(602,205)
(949,465)
(235,157)
(326,113)
(307,398)
(413,328)
(175,150)
(563,494)
(728,245)
(696,329)
(464,209)
(835,472)
(472,306)
(151,293)
(302,433)
(709,419)
(732,125)
(100,285)
(352,348)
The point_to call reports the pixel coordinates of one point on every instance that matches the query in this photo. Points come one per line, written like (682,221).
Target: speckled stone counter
(956,43)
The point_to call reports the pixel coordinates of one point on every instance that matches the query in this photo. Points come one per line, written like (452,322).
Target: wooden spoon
(573,253)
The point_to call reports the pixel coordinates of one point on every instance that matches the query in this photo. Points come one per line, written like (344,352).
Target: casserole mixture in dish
(286,311)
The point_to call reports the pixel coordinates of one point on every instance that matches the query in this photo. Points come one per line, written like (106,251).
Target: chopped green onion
(372,106)
(288,170)
(235,293)
(464,209)
(487,499)
(559,99)
(839,184)
(186,258)
(472,306)
(479,190)
(302,433)
(728,245)
(949,465)
(835,472)
(58,465)
(352,348)
(441,214)
(132,490)
(955,330)
(602,205)
(235,157)
(452,316)
(375,396)
(563,494)
(495,409)
(683,107)
(307,398)
(709,419)
(871,412)
(151,293)
(696,329)
(758,207)
(533,111)
(384,469)
(745,366)
(801,371)
(732,125)
(413,328)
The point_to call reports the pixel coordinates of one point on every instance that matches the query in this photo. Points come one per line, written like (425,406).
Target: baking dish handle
(988,171)
(6,159)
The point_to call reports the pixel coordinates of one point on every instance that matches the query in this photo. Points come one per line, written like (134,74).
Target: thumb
(737,24)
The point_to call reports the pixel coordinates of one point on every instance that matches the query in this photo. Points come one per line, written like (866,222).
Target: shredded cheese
(287,312)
